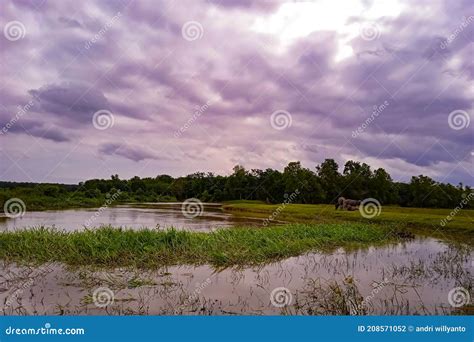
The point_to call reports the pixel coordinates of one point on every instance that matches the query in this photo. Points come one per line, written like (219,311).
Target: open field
(112,247)
(419,220)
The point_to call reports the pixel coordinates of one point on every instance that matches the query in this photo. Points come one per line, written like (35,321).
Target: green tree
(331,179)
(357,177)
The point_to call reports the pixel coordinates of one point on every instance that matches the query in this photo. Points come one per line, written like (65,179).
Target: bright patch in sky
(299,19)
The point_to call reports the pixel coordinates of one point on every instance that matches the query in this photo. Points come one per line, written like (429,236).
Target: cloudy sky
(93,88)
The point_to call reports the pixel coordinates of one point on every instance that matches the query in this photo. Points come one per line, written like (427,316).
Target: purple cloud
(130,152)
(325,66)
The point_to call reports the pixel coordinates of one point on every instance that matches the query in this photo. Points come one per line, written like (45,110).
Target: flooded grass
(421,220)
(379,280)
(332,263)
(111,247)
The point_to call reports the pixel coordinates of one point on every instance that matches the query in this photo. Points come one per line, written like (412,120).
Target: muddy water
(414,277)
(133,216)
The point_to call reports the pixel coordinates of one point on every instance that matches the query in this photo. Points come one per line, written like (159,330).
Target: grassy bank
(421,220)
(112,247)
(59,203)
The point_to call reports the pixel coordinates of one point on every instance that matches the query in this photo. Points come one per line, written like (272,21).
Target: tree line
(323,184)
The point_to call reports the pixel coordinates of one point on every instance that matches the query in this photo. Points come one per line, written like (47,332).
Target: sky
(94,88)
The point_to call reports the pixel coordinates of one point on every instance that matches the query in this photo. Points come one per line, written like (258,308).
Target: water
(413,277)
(134,216)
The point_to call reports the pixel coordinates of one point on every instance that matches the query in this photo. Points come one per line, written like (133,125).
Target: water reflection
(134,216)
(414,277)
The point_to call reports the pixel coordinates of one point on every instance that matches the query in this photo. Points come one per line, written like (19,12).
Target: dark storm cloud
(130,57)
(130,152)
(31,4)
(264,6)
(40,130)
(69,22)
(70,102)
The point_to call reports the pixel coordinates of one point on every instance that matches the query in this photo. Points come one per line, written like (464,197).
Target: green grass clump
(112,247)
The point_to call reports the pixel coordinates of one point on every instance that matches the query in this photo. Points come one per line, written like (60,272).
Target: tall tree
(330,177)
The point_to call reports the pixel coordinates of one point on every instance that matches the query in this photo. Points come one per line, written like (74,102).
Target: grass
(309,228)
(421,220)
(114,247)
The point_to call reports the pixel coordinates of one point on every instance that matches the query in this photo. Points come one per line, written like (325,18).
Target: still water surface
(134,216)
(411,277)
(414,277)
